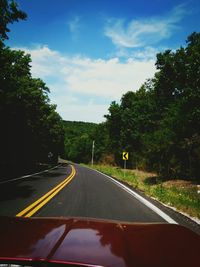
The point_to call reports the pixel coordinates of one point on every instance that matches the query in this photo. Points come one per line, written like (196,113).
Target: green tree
(9,13)
(78,140)
(102,142)
(159,124)
(114,124)
(30,125)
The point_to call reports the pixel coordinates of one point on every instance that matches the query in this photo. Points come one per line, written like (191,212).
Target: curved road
(79,193)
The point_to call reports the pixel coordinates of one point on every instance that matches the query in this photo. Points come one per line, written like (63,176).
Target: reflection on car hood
(98,242)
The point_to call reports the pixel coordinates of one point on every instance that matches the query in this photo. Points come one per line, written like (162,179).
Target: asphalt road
(86,193)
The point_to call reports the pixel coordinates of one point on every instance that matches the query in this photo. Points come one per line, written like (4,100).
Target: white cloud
(142,32)
(142,54)
(108,78)
(44,60)
(82,87)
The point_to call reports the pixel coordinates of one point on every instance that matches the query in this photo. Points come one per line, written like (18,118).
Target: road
(76,191)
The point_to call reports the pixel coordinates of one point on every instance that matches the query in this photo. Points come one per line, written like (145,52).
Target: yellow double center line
(38,204)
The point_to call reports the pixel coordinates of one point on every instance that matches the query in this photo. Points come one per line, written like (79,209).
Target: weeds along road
(76,191)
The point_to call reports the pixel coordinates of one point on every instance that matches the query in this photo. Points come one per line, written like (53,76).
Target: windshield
(100,119)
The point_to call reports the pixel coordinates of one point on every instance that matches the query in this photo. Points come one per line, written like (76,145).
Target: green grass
(185,199)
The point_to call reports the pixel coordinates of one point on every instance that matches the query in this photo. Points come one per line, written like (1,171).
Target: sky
(91,52)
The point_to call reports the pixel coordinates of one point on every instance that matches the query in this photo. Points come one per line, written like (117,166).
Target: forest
(78,140)
(32,131)
(159,124)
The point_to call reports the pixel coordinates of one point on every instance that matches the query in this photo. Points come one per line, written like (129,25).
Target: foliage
(114,124)
(102,142)
(9,13)
(159,124)
(78,140)
(30,126)
(79,137)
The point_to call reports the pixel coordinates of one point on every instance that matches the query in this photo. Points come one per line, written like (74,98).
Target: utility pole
(93,152)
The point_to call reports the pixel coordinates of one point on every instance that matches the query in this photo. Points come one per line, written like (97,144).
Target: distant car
(90,242)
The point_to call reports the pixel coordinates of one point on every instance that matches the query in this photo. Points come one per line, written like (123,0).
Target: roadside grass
(179,194)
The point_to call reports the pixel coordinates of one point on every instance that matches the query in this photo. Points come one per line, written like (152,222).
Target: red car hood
(98,243)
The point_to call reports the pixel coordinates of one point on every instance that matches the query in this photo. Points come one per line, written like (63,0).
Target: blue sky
(91,52)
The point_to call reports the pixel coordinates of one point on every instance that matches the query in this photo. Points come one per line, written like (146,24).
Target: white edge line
(141,199)
(196,220)
(26,176)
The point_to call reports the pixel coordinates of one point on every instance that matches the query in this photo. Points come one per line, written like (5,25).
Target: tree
(159,124)
(114,124)
(9,13)
(78,140)
(30,126)
(102,143)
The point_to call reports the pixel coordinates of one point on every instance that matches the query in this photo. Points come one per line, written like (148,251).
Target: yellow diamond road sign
(125,155)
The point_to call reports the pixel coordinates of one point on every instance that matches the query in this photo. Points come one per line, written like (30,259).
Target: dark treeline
(78,140)
(159,125)
(79,137)
(31,129)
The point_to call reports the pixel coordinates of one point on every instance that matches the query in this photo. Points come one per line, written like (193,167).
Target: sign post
(125,158)
(92,161)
